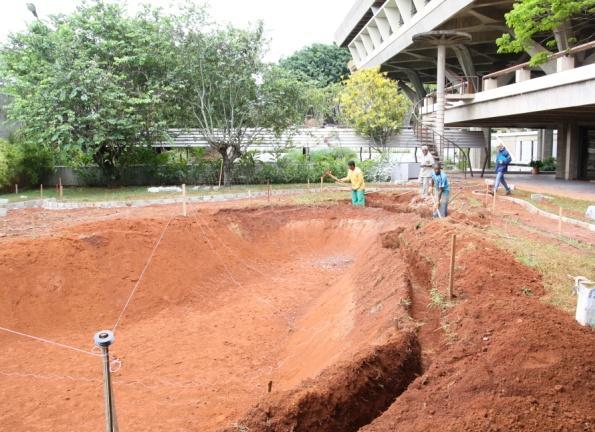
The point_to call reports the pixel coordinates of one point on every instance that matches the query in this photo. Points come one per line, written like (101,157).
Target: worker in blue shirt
(441,191)
(503,158)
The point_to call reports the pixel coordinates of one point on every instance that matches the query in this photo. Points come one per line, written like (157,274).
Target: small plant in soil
(527,292)
(405,302)
(437,300)
(240,427)
(451,335)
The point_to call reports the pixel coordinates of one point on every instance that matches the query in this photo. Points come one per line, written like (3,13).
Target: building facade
(450,45)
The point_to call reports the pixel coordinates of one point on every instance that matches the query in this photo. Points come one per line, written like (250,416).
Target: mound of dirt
(505,361)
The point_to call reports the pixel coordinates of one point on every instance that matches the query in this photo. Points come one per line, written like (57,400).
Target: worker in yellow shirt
(358,186)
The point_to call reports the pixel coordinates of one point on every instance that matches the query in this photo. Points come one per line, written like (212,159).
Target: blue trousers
(358,197)
(500,179)
(443,206)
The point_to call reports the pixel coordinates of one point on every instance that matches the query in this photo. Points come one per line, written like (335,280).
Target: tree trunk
(227,170)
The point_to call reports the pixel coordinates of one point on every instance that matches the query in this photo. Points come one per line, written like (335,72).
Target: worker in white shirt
(425,170)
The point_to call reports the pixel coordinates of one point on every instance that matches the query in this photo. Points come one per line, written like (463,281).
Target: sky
(290,24)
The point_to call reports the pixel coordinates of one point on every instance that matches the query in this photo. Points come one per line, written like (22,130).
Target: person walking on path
(503,159)
(441,191)
(425,170)
(358,185)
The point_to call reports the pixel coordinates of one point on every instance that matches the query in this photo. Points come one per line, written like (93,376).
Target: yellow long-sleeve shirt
(356,177)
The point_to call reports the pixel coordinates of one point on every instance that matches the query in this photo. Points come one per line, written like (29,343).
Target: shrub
(4,170)
(549,164)
(23,163)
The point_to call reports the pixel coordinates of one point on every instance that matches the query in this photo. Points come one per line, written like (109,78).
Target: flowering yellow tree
(373,105)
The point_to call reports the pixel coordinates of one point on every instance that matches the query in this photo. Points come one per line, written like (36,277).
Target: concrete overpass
(481,88)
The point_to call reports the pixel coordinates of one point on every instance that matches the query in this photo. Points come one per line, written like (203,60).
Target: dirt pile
(505,360)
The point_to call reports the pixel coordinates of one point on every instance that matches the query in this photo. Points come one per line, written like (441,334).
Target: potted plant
(536,165)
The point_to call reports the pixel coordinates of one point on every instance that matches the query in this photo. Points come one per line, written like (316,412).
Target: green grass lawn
(556,265)
(98,194)
(573,208)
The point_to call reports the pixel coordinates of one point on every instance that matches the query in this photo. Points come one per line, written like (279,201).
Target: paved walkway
(546,183)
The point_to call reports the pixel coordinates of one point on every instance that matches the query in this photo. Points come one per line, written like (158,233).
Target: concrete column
(561,152)
(569,147)
(564,63)
(490,84)
(440,97)
(546,143)
(522,75)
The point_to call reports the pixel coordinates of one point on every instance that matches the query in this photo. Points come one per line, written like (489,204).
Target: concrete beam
(354,16)
(367,40)
(535,48)
(419,4)
(393,15)
(562,34)
(405,9)
(431,17)
(409,92)
(375,35)
(361,49)
(465,60)
(383,26)
(569,89)
(354,52)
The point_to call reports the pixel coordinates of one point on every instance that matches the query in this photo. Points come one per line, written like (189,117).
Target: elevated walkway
(534,103)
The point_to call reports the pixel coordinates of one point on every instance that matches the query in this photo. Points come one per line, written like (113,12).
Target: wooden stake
(308,182)
(452,266)
(184,200)
(560,221)
(221,173)
(16,189)
(60,188)
(41,190)
(321,180)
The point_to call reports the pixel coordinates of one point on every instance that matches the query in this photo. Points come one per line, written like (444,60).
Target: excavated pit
(289,319)
(233,304)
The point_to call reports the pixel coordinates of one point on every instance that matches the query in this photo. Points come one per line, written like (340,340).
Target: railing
(463,86)
(527,65)
(431,138)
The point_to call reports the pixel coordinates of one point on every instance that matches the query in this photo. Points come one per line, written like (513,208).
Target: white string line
(142,273)
(50,377)
(149,383)
(236,282)
(50,342)
(245,262)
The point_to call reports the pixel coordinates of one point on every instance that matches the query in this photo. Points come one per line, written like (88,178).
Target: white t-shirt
(426,162)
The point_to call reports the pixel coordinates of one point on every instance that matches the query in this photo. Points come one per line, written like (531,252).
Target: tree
(533,22)
(373,105)
(96,80)
(235,97)
(324,64)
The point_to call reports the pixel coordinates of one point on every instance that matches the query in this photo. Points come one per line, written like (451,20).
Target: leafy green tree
(97,80)
(373,105)
(324,64)
(235,97)
(530,20)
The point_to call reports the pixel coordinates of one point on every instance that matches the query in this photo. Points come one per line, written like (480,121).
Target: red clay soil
(287,319)
(507,362)
(232,300)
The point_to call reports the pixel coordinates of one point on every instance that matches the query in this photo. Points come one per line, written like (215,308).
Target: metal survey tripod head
(103,339)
